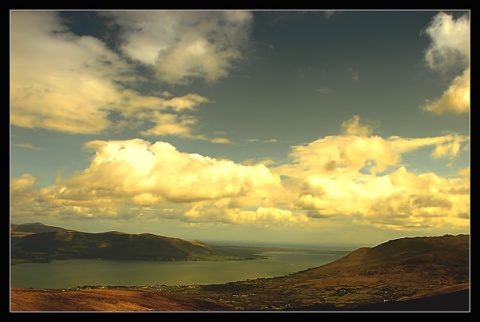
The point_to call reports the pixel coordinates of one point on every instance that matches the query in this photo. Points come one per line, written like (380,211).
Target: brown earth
(452,298)
(110,300)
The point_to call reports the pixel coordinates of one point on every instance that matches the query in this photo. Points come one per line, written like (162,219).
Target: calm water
(72,273)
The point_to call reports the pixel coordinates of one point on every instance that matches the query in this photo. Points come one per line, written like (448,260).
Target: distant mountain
(40,243)
(33,228)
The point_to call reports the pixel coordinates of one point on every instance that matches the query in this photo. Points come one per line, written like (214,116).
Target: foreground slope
(112,300)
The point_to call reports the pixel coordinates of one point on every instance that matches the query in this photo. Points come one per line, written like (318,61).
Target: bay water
(80,272)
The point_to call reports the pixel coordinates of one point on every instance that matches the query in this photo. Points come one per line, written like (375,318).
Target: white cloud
(351,176)
(353,127)
(355,151)
(168,124)
(456,99)
(221,140)
(132,173)
(61,86)
(266,216)
(362,177)
(185,44)
(67,83)
(450,41)
(448,51)
(22,183)
(399,200)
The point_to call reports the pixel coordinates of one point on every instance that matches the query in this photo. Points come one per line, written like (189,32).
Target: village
(253,295)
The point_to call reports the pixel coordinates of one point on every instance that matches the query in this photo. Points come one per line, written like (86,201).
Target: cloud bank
(352,175)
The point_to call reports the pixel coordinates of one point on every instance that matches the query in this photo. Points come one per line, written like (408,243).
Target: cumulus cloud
(185,44)
(135,173)
(267,216)
(76,84)
(168,124)
(450,41)
(21,183)
(455,99)
(24,196)
(450,50)
(354,151)
(363,177)
(353,127)
(158,169)
(355,175)
(399,200)
(61,86)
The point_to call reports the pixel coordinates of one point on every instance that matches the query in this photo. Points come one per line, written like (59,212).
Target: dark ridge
(42,243)
(35,228)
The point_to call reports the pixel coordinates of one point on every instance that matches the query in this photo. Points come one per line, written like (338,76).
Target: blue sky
(305,127)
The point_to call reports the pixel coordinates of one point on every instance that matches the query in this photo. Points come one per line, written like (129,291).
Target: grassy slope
(116,300)
(393,271)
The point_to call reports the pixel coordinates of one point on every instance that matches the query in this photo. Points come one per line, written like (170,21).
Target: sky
(317,127)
